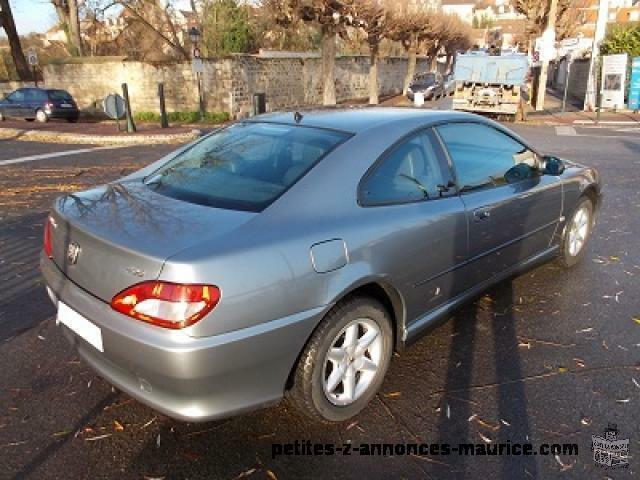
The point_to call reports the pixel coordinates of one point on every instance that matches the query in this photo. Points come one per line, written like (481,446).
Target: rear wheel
(343,365)
(41,116)
(576,234)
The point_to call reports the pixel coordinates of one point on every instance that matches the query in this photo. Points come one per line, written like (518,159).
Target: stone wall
(228,83)
(8,87)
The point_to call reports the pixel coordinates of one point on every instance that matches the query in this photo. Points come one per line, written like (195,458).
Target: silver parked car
(293,253)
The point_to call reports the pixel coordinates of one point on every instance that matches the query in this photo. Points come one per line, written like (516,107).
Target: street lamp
(194,35)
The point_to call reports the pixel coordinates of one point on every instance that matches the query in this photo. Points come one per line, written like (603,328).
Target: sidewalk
(99,133)
(574,115)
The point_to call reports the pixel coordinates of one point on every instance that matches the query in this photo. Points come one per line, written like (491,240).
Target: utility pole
(590,99)
(549,37)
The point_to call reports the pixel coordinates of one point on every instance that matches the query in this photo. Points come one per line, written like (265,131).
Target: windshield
(245,166)
(426,79)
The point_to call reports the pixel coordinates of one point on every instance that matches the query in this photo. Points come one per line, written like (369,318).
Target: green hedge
(183,117)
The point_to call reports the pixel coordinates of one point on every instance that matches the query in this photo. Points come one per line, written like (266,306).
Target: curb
(73,138)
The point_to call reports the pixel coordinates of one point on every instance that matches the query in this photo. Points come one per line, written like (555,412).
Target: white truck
(491,83)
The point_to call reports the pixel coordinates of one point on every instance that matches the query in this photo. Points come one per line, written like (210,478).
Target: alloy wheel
(352,362)
(578,231)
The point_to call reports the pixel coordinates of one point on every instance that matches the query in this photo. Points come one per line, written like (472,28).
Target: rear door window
(412,171)
(245,166)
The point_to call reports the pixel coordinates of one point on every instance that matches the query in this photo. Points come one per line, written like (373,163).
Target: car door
(512,208)
(34,100)
(14,103)
(410,197)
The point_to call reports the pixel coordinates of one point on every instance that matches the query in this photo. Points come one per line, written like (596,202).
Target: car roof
(360,119)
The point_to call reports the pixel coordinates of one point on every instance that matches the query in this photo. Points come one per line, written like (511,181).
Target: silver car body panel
(281,270)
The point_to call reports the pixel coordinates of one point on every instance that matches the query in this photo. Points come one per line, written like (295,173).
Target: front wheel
(343,365)
(576,234)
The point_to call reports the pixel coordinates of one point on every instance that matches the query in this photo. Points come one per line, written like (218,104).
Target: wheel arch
(377,289)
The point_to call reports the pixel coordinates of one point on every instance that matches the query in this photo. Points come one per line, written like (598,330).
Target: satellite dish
(113,106)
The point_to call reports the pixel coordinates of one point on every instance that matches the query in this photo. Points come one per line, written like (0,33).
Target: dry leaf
(99,437)
(246,473)
(392,394)
(563,466)
(585,421)
(635,382)
(271,475)
(485,438)
(118,426)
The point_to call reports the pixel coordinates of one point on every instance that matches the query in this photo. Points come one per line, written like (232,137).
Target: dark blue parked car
(39,104)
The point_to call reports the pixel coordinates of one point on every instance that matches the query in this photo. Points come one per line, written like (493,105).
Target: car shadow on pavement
(512,423)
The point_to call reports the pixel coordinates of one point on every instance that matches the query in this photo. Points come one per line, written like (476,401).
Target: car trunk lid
(115,236)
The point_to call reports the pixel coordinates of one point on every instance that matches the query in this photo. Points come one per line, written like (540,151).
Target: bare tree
(69,20)
(376,21)
(155,16)
(7,22)
(537,11)
(411,29)
(332,17)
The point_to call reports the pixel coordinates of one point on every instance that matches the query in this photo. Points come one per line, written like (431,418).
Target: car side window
(484,157)
(17,96)
(412,172)
(34,95)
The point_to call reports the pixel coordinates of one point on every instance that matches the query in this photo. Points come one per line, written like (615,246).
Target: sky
(33,15)
(39,15)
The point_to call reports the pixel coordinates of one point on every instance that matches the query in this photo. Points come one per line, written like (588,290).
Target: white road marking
(605,122)
(64,153)
(564,130)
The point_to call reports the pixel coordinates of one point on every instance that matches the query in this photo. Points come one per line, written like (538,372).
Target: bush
(183,117)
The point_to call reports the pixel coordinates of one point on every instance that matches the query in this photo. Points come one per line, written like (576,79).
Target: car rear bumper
(192,379)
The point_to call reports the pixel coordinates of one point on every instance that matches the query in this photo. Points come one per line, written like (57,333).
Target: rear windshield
(245,166)
(59,95)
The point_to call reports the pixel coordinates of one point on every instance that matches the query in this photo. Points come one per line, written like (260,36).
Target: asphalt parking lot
(551,357)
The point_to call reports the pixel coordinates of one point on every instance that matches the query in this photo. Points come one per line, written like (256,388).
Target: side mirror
(553,166)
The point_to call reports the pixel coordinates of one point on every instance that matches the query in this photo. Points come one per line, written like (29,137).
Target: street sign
(32,58)
(634,86)
(545,46)
(614,72)
(113,106)
(197,65)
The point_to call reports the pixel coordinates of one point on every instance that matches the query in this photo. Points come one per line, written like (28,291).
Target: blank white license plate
(66,105)
(80,325)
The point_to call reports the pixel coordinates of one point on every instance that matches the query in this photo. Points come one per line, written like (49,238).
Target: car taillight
(168,305)
(48,237)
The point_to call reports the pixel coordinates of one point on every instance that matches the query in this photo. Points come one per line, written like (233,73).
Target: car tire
(30,119)
(576,233)
(312,392)
(72,120)
(41,116)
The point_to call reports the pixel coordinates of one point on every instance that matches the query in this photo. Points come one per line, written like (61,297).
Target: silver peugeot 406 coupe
(291,254)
